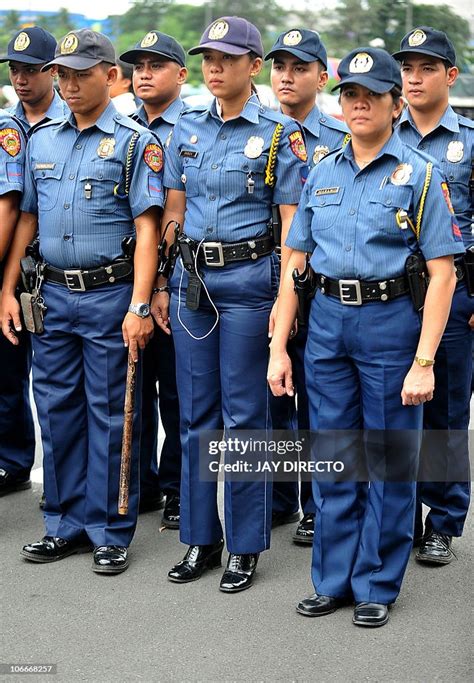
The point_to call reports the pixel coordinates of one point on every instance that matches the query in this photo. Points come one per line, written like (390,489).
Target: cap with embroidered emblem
(156,43)
(371,67)
(83,49)
(302,43)
(31,45)
(232,35)
(429,41)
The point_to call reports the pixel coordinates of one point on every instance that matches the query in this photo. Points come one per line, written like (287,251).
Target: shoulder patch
(447,196)
(153,157)
(10,141)
(297,145)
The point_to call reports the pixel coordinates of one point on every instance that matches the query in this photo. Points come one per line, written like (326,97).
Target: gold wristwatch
(424,362)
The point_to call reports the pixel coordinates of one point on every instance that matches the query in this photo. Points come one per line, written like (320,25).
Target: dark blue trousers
(222,385)
(289,416)
(79,374)
(17,435)
(448,501)
(159,366)
(356,360)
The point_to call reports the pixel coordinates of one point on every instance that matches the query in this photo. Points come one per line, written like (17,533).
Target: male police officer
(88,181)
(299,72)
(17,442)
(159,71)
(121,93)
(428,69)
(28,51)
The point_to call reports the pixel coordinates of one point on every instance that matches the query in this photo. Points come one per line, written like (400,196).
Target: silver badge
(320,151)
(254,147)
(455,151)
(401,175)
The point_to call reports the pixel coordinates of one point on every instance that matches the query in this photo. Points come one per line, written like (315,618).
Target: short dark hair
(127,69)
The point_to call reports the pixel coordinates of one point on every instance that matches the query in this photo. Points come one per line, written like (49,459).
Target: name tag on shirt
(327,190)
(188,153)
(44,167)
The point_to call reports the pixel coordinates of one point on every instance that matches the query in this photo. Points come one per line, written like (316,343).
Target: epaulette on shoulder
(129,123)
(47,124)
(423,156)
(196,109)
(464,121)
(330,154)
(333,123)
(273,115)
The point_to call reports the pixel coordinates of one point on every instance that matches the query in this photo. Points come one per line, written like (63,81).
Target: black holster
(28,265)
(188,256)
(469,270)
(305,288)
(275,229)
(417,277)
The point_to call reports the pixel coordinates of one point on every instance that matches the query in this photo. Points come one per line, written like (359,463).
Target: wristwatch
(142,310)
(424,362)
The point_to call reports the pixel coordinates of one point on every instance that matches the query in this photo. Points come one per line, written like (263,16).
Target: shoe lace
(443,540)
(234,562)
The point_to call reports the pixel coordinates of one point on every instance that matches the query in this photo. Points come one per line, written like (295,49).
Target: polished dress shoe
(170,518)
(151,503)
(109,559)
(320,605)
(304,532)
(435,548)
(239,572)
(280,518)
(370,614)
(197,559)
(10,483)
(53,548)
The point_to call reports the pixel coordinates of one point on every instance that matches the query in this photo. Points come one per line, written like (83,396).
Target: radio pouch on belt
(188,256)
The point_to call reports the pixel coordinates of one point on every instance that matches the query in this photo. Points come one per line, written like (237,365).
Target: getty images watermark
(332,455)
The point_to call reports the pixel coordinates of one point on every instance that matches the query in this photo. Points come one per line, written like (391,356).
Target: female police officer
(223,162)
(365,345)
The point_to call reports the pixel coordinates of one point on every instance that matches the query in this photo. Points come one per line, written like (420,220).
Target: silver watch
(142,310)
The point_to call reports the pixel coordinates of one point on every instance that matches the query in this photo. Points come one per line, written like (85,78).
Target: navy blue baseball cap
(31,45)
(233,35)
(302,43)
(158,44)
(427,41)
(83,49)
(370,67)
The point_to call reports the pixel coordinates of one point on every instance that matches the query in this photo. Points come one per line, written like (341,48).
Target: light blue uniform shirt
(347,217)
(451,143)
(12,154)
(323,134)
(164,124)
(70,177)
(212,161)
(58,109)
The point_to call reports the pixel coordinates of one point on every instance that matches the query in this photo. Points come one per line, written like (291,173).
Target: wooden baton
(127,436)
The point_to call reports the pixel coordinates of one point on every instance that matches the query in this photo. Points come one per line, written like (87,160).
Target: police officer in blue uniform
(428,71)
(159,71)
(91,181)
(299,73)
(226,164)
(369,362)
(27,52)
(17,440)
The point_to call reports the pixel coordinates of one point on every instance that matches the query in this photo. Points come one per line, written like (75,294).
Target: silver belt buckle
(212,259)
(349,292)
(74,280)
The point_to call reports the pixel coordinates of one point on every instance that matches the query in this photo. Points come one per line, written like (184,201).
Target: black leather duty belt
(218,254)
(81,280)
(358,292)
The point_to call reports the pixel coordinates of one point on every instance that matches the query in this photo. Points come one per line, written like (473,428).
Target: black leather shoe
(52,548)
(370,614)
(10,483)
(151,503)
(435,548)
(280,518)
(304,532)
(320,605)
(196,561)
(109,559)
(170,518)
(239,572)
